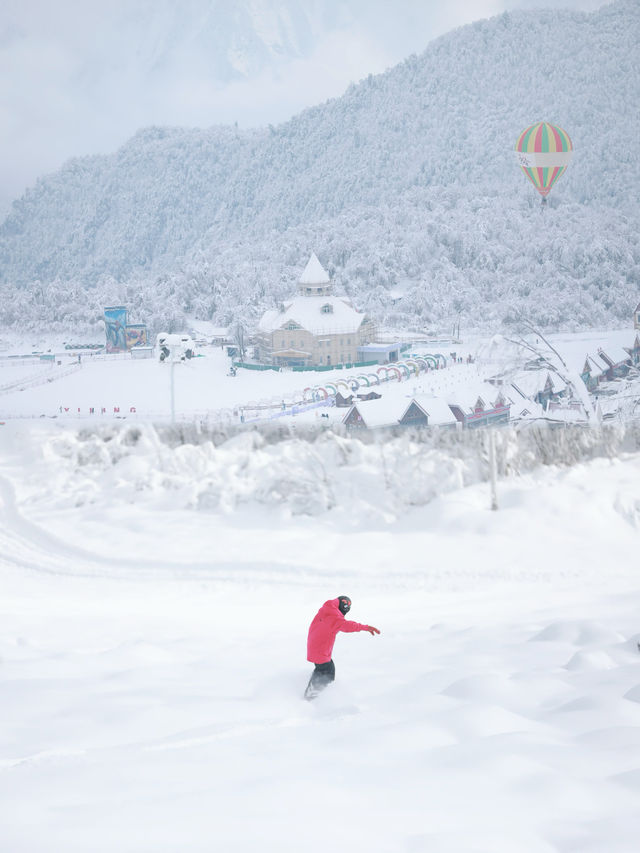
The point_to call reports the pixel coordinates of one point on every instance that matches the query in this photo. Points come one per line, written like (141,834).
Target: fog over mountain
(406,187)
(81,77)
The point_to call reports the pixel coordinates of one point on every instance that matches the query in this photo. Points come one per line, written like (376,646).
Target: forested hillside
(406,187)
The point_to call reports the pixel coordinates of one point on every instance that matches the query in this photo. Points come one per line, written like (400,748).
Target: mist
(80,78)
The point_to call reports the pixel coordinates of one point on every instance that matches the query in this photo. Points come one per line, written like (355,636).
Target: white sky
(79,77)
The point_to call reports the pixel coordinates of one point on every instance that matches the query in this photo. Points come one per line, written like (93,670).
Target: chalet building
(634,352)
(313,328)
(421,411)
(591,374)
(482,413)
(374,414)
(424,411)
(616,362)
(539,385)
(522,407)
(343,402)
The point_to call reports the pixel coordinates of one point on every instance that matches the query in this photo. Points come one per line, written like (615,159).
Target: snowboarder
(322,635)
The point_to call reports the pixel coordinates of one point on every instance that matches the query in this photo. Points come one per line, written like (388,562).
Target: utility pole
(493,474)
(173,391)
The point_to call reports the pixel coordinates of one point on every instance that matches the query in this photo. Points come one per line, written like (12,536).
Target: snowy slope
(153,661)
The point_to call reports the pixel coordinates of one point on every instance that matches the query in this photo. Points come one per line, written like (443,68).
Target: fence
(247,366)
(40,379)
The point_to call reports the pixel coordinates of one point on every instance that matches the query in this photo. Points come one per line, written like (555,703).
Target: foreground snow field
(152,660)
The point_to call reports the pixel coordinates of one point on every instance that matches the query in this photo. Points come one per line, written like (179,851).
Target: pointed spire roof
(314,272)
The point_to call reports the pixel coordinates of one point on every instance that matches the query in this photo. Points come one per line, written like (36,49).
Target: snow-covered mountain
(82,78)
(224,40)
(406,187)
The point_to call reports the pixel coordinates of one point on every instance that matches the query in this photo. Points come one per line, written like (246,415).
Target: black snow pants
(322,675)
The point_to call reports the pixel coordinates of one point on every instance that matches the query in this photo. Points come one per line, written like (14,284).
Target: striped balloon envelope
(544,152)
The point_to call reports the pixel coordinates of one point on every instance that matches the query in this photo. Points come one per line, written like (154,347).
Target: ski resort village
(315,359)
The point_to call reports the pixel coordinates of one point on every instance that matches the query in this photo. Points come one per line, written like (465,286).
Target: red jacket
(322,631)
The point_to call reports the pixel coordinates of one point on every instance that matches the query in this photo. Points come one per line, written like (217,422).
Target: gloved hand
(372,630)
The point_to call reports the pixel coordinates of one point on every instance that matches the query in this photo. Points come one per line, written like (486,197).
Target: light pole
(173,390)
(493,476)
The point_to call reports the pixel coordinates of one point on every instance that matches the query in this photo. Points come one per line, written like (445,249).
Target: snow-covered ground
(152,652)
(118,386)
(155,598)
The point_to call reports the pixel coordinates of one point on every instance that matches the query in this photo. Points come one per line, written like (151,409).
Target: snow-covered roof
(384,412)
(521,406)
(436,409)
(532,382)
(566,414)
(615,352)
(596,367)
(388,410)
(379,348)
(576,348)
(314,272)
(307,312)
(466,396)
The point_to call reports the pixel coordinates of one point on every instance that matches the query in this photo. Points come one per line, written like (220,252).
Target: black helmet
(344,604)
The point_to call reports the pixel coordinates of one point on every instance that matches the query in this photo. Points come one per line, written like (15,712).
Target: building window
(349,341)
(327,309)
(283,342)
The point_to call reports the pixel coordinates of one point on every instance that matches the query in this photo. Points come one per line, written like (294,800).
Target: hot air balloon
(544,152)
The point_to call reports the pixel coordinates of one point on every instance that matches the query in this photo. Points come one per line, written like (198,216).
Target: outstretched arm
(349,627)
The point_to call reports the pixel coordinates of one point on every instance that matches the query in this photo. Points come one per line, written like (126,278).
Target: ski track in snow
(29,546)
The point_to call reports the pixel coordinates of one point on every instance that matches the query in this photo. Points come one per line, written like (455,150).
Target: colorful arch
(362,378)
(422,363)
(342,383)
(393,368)
(412,364)
(331,388)
(375,379)
(321,390)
